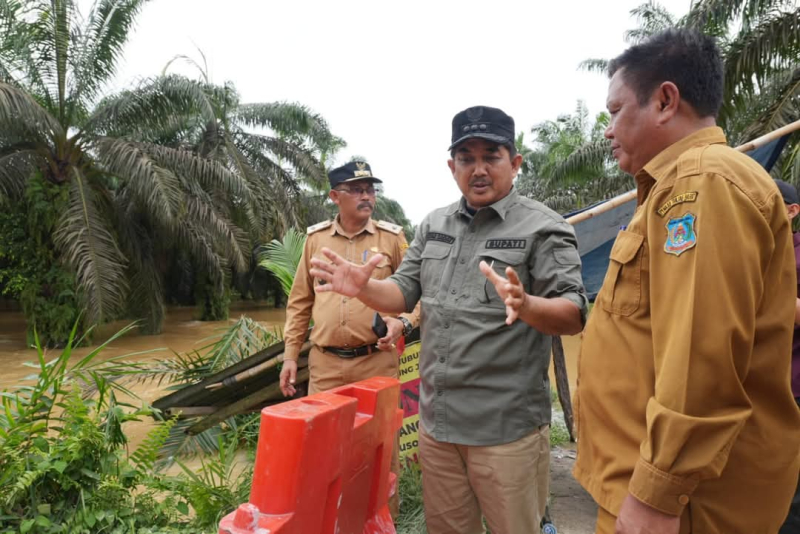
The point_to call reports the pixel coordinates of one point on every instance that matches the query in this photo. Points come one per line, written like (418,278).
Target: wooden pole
(253,371)
(271,392)
(562,384)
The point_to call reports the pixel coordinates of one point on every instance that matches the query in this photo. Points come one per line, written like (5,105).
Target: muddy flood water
(182,333)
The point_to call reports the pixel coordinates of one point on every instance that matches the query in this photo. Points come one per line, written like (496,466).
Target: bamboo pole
(271,392)
(253,371)
(630,195)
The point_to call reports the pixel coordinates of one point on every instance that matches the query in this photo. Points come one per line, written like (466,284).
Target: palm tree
(549,173)
(170,165)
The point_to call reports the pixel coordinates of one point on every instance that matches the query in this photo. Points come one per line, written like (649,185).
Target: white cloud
(389,76)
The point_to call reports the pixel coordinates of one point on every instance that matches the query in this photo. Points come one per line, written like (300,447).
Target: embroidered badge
(681,235)
(403,246)
(438,236)
(506,243)
(689,196)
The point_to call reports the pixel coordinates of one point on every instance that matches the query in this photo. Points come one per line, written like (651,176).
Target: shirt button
(439,393)
(447,325)
(453,291)
(441,360)
(683,500)
(463,261)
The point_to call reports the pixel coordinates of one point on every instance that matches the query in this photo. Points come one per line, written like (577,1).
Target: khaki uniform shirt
(340,321)
(484,382)
(683,393)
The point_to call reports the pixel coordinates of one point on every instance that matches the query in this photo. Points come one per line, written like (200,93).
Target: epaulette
(389,227)
(319,226)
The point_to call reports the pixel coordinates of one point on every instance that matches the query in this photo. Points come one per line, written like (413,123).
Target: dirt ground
(572,510)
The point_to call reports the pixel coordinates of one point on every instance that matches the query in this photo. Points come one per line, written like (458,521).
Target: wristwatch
(407,327)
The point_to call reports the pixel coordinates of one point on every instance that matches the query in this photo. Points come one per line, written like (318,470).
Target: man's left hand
(635,517)
(510,290)
(394,329)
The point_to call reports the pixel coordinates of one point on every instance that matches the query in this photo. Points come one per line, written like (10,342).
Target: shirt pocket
(622,288)
(383,269)
(499,260)
(434,262)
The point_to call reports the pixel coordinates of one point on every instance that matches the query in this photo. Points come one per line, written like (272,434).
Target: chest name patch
(681,235)
(438,236)
(689,196)
(506,243)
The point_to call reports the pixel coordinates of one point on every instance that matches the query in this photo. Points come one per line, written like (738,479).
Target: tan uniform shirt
(340,321)
(683,396)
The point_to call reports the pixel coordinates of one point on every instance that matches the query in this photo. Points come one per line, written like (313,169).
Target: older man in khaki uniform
(345,348)
(685,416)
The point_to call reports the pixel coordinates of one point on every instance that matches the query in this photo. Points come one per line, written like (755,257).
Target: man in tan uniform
(345,348)
(686,419)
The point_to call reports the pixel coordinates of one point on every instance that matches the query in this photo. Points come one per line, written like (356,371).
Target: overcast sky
(389,76)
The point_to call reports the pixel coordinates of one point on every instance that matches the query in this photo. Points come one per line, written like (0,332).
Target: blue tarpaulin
(596,235)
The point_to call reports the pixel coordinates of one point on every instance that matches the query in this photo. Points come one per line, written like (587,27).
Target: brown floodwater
(181,333)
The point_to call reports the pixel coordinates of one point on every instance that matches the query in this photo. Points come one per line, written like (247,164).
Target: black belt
(352,353)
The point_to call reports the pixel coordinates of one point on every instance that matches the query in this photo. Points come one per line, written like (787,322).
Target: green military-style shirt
(485,382)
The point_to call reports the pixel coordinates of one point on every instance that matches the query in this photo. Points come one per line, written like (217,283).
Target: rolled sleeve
(556,271)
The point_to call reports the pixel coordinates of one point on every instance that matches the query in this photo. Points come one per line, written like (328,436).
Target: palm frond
(224,234)
(756,54)
(600,66)
(282,258)
(154,186)
(21,112)
(89,247)
(95,56)
(780,102)
(652,18)
(156,105)
(713,17)
(289,120)
(590,158)
(303,161)
(15,169)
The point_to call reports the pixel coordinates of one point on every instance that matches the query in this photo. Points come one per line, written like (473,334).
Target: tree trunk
(562,384)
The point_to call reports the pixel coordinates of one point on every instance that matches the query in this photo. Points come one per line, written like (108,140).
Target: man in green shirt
(485,395)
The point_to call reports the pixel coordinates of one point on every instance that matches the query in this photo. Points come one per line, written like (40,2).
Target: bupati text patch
(506,243)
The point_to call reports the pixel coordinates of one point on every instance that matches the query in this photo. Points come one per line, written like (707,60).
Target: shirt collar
(500,207)
(666,161)
(336,228)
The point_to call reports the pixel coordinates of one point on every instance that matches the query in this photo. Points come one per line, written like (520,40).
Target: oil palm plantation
(168,166)
(760,45)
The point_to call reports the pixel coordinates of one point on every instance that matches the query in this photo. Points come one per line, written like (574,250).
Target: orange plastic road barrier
(322,465)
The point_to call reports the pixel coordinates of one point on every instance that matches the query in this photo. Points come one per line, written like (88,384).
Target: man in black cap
(485,396)
(345,348)
(792,201)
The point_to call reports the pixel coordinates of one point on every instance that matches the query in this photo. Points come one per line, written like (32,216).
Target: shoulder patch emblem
(681,235)
(689,196)
(389,227)
(403,246)
(317,227)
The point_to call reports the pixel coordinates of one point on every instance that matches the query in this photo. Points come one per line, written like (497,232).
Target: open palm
(342,276)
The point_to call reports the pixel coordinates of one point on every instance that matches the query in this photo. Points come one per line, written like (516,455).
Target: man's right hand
(288,377)
(340,275)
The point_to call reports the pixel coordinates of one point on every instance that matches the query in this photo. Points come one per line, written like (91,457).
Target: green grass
(412,516)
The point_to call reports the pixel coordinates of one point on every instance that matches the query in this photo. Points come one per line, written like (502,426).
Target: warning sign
(409,400)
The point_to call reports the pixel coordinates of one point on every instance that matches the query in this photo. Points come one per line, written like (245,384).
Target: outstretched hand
(510,290)
(342,276)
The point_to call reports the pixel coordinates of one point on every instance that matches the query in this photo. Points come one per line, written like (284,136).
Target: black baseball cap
(350,172)
(788,192)
(484,122)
